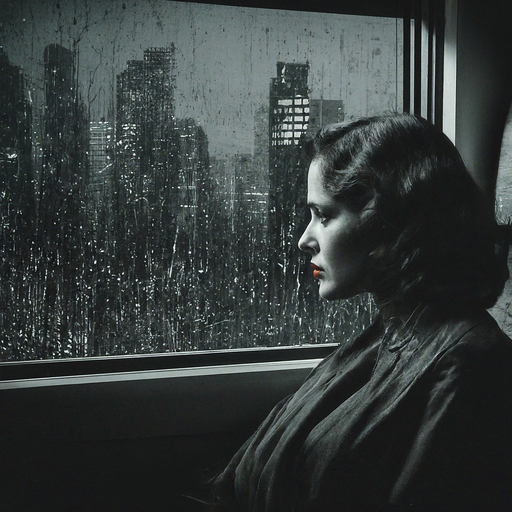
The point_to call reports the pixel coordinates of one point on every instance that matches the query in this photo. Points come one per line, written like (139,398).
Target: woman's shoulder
(458,348)
(471,335)
(472,351)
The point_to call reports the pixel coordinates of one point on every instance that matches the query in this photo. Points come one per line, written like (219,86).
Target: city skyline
(143,259)
(222,90)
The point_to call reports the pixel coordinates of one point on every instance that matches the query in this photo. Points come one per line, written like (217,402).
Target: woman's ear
(373,226)
(366,203)
(368,198)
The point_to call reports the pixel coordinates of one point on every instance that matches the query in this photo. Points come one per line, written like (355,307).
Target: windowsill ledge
(18,370)
(149,403)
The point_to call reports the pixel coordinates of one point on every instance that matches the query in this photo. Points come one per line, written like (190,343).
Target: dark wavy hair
(434,237)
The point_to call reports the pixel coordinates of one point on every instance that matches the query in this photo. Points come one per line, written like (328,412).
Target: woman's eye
(322,217)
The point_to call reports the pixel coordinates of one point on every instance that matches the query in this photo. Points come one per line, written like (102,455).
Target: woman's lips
(316,270)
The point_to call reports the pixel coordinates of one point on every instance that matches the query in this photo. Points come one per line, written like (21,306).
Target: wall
(130,441)
(484,85)
(483,96)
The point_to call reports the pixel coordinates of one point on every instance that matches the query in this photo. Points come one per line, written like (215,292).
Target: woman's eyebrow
(312,204)
(318,206)
(315,207)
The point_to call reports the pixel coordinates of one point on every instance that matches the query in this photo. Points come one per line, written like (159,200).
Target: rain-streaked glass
(152,179)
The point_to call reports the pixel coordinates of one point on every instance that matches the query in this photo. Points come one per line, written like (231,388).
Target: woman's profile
(414,414)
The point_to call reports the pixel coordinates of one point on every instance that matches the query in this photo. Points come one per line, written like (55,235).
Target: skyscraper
(289,105)
(146,138)
(145,172)
(62,216)
(65,125)
(64,175)
(16,171)
(193,169)
(130,118)
(100,161)
(15,112)
(288,124)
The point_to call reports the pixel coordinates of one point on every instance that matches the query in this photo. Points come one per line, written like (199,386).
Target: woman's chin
(332,293)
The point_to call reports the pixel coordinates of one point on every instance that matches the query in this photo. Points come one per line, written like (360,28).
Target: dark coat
(414,418)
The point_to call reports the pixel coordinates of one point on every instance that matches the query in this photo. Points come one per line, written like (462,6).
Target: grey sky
(225,56)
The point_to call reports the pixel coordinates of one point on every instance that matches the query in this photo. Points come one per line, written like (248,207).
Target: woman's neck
(399,315)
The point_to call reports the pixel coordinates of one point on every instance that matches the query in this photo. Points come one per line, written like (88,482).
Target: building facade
(289,112)
(146,138)
(17,201)
(101,140)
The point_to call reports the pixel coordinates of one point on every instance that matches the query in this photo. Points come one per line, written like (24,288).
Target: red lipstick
(316,270)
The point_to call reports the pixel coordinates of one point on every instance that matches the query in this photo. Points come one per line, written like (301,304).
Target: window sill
(191,400)
(18,370)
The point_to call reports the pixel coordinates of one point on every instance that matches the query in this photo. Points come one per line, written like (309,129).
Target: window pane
(152,174)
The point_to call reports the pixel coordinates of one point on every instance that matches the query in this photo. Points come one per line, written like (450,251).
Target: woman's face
(333,238)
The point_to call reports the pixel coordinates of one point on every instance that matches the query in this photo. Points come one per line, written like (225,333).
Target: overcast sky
(225,56)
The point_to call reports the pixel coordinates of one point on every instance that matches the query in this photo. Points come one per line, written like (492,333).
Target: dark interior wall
(167,474)
(484,85)
(141,441)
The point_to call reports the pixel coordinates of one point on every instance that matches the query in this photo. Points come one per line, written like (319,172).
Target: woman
(415,413)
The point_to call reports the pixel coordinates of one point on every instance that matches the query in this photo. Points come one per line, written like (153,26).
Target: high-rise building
(101,138)
(16,171)
(193,168)
(64,175)
(65,123)
(130,113)
(289,105)
(289,112)
(146,138)
(159,80)
(62,214)
(15,121)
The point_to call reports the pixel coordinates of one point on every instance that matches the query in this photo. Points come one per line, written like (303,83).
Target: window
(153,184)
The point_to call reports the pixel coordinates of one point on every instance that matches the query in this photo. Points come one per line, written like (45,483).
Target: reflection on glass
(153,173)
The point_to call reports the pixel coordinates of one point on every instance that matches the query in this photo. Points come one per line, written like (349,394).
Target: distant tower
(16,171)
(65,123)
(62,215)
(288,124)
(146,162)
(129,121)
(146,138)
(15,122)
(64,174)
(101,135)
(193,169)
(159,81)
(289,105)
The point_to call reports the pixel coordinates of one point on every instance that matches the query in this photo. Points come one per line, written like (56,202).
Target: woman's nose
(307,243)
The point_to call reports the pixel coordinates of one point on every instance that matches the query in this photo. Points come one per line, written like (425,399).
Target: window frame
(62,368)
